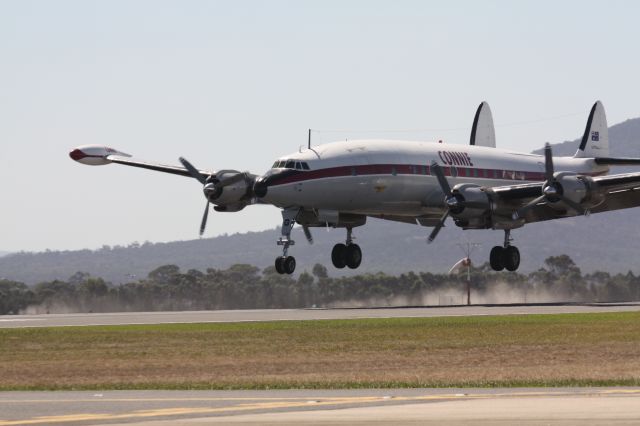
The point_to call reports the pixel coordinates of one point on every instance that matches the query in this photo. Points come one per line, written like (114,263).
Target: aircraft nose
(260,187)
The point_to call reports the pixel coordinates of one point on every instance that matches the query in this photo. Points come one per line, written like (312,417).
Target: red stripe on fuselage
(407,170)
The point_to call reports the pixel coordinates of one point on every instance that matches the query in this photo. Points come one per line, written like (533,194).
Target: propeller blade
(524,209)
(441,179)
(203,224)
(548,163)
(307,233)
(437,228)
(192,171)
(577,207)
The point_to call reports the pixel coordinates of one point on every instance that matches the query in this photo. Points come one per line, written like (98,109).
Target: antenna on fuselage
(309,145)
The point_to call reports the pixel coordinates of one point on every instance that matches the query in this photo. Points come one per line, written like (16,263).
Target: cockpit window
(291,164)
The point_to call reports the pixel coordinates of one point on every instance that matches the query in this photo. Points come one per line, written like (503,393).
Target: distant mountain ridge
(607,242)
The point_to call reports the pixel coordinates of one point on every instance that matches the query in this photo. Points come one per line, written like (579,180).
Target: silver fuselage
(373,177)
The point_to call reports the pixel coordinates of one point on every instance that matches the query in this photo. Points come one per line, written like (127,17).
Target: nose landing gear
(348,254)
(286,264)
(506,257)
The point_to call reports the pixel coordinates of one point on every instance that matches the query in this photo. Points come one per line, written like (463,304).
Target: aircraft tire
(339,256)
(353,256)
(511,258)
(496,258)
(289,264)
(279,264)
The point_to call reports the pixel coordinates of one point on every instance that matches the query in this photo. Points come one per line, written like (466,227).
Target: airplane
(341,184)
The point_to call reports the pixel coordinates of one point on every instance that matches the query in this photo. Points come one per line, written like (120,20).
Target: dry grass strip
(531,350)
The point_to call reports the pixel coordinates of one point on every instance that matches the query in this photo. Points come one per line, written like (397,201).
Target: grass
(528,350)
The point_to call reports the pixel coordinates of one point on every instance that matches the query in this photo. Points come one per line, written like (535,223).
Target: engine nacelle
(227,195)
(579,189)
(94,155)
(472,206)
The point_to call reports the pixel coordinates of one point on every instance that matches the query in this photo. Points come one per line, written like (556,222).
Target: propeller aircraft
(341,184)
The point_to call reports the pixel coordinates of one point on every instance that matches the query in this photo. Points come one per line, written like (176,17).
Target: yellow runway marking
(278,402)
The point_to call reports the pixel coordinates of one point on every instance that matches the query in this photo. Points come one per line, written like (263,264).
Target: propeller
(212,186)
(455,202)
(307,234)
(552,191)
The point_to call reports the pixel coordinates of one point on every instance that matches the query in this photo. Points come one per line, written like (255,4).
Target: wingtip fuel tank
(94,155)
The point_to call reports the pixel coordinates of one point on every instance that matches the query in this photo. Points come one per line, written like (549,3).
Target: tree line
(247,287)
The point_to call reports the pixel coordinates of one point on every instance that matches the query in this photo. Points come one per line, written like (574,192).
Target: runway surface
(569,406)
(121,318)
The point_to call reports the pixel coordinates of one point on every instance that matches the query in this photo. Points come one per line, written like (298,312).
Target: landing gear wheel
(353,256)
(289,264)
(339,256)
(279,264)
(511,258)
(496,258)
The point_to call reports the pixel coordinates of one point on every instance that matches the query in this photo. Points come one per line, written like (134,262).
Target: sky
(236,84)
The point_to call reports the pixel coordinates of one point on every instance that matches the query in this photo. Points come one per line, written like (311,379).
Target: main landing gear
(506,257)
(348,254)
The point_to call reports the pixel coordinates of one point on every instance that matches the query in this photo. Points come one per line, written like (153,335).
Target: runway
(122,318)
(565,406)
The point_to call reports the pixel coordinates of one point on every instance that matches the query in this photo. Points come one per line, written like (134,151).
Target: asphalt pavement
(555,406)
(122,318)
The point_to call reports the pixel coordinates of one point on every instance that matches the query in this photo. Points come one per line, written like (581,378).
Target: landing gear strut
(348,254)
(506,257)
(286,264)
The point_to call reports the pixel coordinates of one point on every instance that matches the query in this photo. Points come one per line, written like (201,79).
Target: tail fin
(595,141)
(482,132)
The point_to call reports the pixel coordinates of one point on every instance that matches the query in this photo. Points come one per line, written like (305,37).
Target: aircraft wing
(97,155)
(620,191)
(176,170)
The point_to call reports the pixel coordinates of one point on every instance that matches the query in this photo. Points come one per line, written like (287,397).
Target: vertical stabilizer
(482,132)
(595,141)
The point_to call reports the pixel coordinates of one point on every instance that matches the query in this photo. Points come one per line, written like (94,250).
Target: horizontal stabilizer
(482,132)
(609,161)
(595,140)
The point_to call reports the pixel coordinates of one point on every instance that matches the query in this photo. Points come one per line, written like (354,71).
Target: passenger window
(305,166)
(454,172)
(289,165)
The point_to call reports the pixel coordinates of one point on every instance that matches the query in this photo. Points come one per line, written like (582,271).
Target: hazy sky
(235,84)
